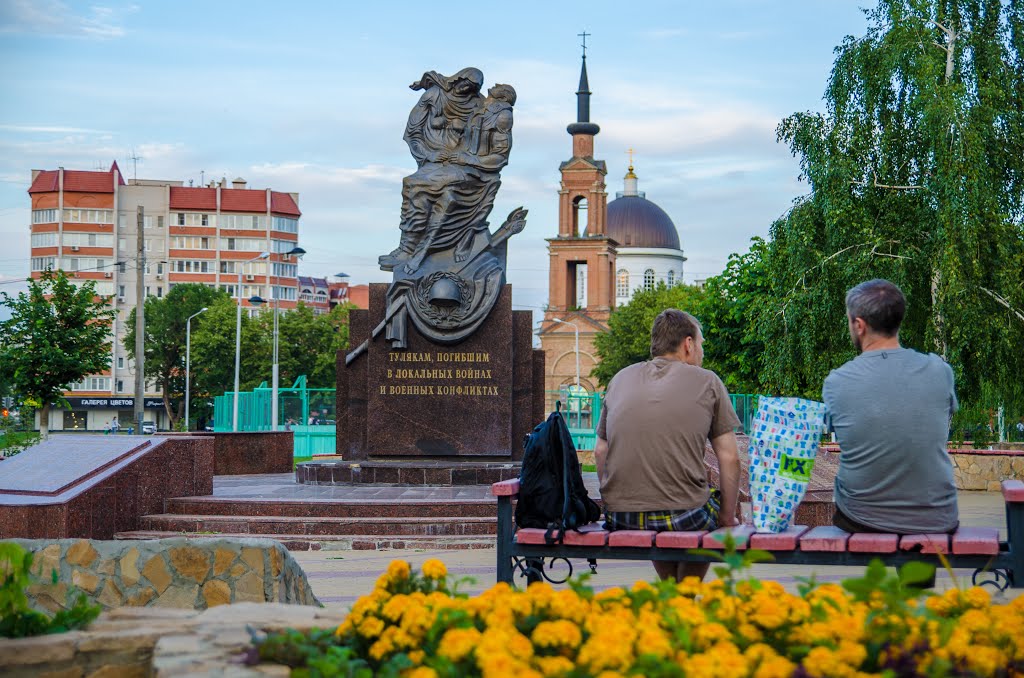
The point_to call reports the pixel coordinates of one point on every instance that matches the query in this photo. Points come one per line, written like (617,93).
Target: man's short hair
(879,303)
(670,329)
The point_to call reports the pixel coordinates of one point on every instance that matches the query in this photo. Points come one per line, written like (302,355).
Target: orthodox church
(603,253)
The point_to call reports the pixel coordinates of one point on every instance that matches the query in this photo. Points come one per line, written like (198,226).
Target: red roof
(243,200)
(78,181)
(283,203)
(188,198)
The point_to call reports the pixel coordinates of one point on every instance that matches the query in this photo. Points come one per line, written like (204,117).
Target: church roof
(635,221)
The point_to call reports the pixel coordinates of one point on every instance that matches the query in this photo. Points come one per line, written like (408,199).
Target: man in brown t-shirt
(657,418)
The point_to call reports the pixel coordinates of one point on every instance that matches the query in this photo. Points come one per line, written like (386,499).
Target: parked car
(148,428)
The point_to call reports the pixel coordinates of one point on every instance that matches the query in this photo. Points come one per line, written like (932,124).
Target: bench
(996,563)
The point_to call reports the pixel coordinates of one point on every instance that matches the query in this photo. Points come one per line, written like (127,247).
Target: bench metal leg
(1015,537)
(504,571)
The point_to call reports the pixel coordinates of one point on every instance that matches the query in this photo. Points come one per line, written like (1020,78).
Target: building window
(243,221)
(671,278)
(190,242)
(649,279)
(120,366)
(120,291)
(43,263)
(284,293)
(44,216)
(622,283)
(286,224)
(285,270)
(282,246)
(120,386)
(89,216)
(159,292)
(44,239)
(189,219)
(91,384)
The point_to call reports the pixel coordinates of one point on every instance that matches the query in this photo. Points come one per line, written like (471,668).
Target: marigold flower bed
(419,626)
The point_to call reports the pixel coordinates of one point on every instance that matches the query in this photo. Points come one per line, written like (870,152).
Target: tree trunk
(44,421)
(169,410)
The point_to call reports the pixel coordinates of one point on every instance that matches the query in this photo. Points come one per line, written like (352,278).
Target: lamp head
(296,252)
(257,300)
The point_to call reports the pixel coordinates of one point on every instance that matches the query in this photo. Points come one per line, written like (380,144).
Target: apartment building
(86,223)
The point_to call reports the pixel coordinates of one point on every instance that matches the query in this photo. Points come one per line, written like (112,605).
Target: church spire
(583,124)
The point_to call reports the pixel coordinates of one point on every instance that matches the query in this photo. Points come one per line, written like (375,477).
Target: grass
(588,468)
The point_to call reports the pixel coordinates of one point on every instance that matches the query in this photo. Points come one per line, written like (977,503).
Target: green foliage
(12,442)
(166,320)
(628,339)
(734,562)
(17,619)
(916,170)
(57,334)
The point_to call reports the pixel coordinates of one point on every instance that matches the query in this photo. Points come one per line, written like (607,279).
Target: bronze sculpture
(448,267)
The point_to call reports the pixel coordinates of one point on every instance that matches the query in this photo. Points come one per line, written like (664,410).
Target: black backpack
(551,491)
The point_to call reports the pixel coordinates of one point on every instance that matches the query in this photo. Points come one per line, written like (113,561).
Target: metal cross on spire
(584,35)
(630,152)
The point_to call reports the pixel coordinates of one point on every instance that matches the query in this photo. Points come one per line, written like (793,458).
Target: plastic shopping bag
(783,445)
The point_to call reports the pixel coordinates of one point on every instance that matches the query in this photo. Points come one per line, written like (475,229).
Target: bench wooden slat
(1013,491)
(530,535)
(741,533)
(781,541)
(824,538)
(976,540)
(873,542)
(506,488)
(593,534)
(679,540)
(637,538)
(928,543)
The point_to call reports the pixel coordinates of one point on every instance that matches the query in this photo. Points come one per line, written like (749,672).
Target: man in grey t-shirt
(890,408)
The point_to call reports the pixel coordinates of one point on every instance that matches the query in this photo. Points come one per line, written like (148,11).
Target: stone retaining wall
(139,642)
(986,469)
(193,574)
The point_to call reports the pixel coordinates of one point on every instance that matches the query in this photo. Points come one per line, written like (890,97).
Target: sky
(313,98)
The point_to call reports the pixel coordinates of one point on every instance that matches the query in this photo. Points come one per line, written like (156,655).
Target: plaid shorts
(701,518)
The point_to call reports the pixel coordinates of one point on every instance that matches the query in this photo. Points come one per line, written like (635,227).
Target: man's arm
(600,453)
(726,450)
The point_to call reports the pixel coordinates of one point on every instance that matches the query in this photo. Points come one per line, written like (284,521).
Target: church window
(649,279)
(622,283)
(671,278)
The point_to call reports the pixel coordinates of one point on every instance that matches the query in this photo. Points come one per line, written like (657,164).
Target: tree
(165,339)
(309,343)
(917,175)
(57,334)
(628,339)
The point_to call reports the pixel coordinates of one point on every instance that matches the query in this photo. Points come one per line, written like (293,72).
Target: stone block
(276,562)
(45,561)
(216,592)
(129,567)
(85,580)
(249,587)
(107,566)
(222,559)
(38,650)
(120,671)
(81,553)
(70,672)
(51,597)
(253,557)
(121,640)
(141,598)
(155,570)
(111,596)
(191,563)
(183,597)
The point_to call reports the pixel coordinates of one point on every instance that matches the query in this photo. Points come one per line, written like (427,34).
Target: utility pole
(140,322)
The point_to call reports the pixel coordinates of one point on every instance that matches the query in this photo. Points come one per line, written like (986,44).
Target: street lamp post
(238,336)
(188,359)
(576,328)
(296,252)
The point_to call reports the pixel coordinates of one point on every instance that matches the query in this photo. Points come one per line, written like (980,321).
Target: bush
(414,625)
(17,619)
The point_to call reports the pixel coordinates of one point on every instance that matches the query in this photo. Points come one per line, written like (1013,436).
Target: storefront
(98,413)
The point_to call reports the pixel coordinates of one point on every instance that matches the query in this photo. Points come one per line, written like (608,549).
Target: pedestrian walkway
(341,577)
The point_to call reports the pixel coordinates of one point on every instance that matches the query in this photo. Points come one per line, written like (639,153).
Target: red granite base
(434,473)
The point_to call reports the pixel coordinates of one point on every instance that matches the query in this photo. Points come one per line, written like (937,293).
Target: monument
(443,383)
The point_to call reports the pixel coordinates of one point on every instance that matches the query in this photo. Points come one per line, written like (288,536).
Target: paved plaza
(339,577)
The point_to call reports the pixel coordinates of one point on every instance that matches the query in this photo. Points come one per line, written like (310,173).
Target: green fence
(308,412)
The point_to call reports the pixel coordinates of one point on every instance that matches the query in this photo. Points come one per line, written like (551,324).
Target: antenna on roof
(202,177)
(135,158)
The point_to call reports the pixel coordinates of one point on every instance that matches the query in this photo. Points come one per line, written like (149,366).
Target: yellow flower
(417,657)
(561,633)
(398,570)
(370,627)
(421,672)
(457,643)
(977,597)
(434,569)
(554,666)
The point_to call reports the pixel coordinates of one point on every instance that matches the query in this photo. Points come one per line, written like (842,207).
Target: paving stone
(129,567)
(191,562)
(38,650)
(70,672)
(121,640)
(179,596)
(216,592)
(156,572)
(85,580)
(222,559)
(81,553)
(120,671)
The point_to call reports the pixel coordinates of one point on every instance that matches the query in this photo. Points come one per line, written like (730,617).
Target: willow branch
(1003,302)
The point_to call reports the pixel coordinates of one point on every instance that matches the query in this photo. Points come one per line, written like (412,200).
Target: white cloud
(50,129)
(52,17)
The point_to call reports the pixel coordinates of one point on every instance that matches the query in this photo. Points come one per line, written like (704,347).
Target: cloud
(55,18)
(50,129)
(666,33)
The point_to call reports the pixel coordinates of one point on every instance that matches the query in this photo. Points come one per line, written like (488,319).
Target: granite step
(329,508)
(305,542)
(318,526)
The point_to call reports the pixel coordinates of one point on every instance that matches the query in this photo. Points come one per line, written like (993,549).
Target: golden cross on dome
(630,152)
